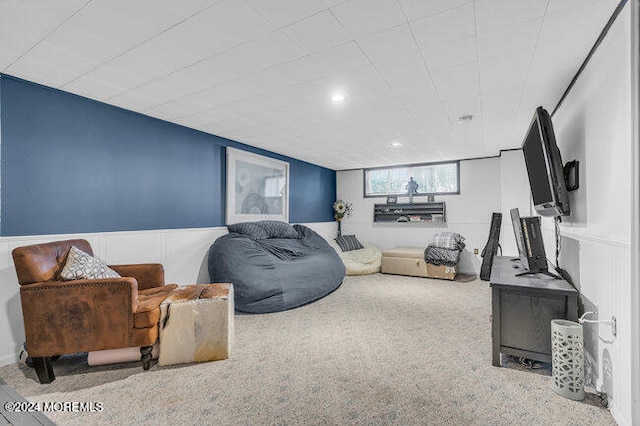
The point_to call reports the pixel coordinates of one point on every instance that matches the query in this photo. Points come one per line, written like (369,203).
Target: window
(433,178)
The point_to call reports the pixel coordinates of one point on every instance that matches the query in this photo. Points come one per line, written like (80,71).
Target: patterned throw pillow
(81,266)
(252,230)
(277,229)
(348,242)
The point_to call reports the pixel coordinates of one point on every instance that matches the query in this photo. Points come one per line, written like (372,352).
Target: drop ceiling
(263,72)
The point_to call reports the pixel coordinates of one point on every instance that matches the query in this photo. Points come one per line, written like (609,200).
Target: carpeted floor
(381,349)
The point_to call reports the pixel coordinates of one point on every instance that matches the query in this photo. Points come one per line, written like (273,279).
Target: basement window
(432,179)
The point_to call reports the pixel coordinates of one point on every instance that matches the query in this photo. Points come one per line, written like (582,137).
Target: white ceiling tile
(85,43)
(504,72)
(286,12)
(156,90)
(36,18)
(318,32)
(500,111)
(388,44)
(167,111)
(261,53)
(448,55)
(66,64)
(91,30)
(194,78)
(555,34)
(405,74)
(109,82)
(267,51)
(13,46)
(25,23)
(510,39)
(214,97)
(58,66)
(341,58)
(420,105)
(457,82)
(154,59)
(455,24)
(501,81)
(239,88)
(362,17)
(464,106)
(568,7)
(291,73)
(492,15)
(96,87)
(332,3)
(134,100)
(224,67)
(518,60)
(416,9)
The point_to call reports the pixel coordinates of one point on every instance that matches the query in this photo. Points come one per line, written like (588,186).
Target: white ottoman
(410,261)
(196,324)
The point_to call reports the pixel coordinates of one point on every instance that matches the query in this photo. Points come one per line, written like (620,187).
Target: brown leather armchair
(64,317)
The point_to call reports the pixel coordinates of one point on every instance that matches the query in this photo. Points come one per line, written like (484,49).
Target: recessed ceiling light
(395,145)
(337,98)
(465,118)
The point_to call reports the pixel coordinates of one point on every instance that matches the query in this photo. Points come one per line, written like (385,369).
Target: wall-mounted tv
(545,167)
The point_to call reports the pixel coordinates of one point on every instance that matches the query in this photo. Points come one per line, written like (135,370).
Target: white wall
(468,213)
(594,126)
(514,187)
(183,252)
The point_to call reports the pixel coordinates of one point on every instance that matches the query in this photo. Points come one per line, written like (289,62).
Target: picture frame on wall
(392,199)
(257,187)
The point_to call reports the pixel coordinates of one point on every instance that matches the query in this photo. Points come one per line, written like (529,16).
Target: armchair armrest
(148,275)
(62,317)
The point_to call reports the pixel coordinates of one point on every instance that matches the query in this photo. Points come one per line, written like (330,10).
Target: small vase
(339,227)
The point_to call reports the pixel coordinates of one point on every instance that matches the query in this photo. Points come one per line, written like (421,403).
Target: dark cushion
(348,243)
(278,229)
(252,230)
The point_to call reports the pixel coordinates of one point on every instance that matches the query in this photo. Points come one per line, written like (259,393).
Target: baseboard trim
(8,359)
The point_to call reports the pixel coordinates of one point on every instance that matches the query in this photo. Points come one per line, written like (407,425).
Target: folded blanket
(447,240)
(441,256)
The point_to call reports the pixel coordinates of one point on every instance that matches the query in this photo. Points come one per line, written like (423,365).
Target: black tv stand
(522,309)
(551,274)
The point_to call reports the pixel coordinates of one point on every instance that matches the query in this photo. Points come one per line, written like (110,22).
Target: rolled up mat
(113,356)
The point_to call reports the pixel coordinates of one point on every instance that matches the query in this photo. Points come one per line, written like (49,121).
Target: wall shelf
(431,212)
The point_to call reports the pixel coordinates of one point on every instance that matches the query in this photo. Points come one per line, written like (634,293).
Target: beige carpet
(381,349)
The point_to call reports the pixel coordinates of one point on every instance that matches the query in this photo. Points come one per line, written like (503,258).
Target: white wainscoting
(600,268)
(183,252)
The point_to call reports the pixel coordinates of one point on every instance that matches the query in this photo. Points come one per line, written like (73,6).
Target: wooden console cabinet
(522,308)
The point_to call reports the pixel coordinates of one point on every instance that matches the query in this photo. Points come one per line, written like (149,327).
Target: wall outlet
(475,251)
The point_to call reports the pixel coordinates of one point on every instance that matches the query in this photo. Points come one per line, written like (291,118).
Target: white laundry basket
(567,357)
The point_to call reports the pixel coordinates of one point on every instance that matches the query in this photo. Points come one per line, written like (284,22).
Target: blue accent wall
(74,165)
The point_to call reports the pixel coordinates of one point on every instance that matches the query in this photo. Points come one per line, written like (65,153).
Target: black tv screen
(544,167)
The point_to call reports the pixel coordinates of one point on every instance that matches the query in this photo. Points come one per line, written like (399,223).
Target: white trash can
(567,357)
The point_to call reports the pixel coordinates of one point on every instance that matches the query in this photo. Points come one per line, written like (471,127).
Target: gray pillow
(348,243)
(278,229)
(81,265)
(252,230)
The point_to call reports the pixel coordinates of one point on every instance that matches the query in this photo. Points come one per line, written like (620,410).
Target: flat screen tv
(545,167)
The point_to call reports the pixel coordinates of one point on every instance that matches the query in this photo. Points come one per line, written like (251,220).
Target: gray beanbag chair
(271,273)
